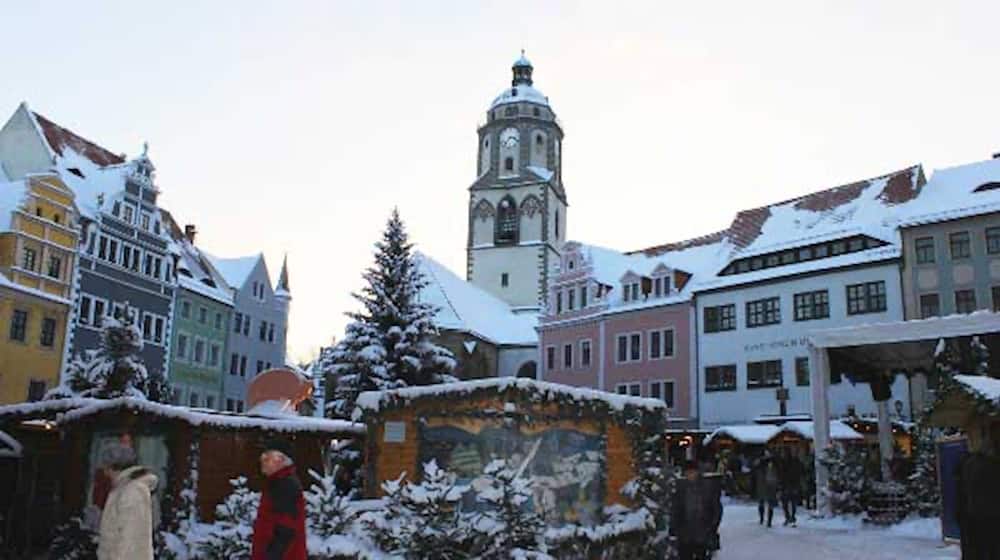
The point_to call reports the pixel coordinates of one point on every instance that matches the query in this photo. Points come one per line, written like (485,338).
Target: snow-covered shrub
(849,483)
(509,525)
(74,540)
(922,483)
(328,511)
(230,536)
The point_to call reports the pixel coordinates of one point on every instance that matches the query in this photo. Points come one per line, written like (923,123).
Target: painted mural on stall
(564,462)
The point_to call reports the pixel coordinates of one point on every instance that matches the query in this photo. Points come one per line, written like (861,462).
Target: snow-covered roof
(9,447)
(235,270)
(195,271)
(746,433)
(373,401)
(956,192)
(44,407)
(463,306)
(838,430)
(13,196)
(205,417)
(985,387)
(934,328)
(519,93)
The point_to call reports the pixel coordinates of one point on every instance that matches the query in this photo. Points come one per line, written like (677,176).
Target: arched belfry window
(507,222)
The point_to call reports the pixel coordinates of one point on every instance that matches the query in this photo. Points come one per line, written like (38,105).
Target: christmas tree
(388,343)
(327,508)
(922,483)
(231,534)
(114,369)
(848,485)
(509,525)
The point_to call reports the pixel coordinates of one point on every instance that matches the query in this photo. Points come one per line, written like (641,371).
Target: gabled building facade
(39,230)
(257,337)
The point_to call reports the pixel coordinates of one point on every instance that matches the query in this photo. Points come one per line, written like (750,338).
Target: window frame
(662,384)
(806,303)
(550,358)
(721,322)
(721,371)
(867,298)
(800,381)
(760,317)
(921,305)
(767,380)
(958,308)
(955,240)
(992,237)
(567,357)
(924,254)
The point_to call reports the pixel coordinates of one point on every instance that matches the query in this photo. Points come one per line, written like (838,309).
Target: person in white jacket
(126,531)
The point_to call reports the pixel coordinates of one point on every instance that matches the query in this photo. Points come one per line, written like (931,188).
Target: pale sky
(297,126)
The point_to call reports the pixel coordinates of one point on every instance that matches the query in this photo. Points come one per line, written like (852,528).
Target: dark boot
(770,516)
(760,513)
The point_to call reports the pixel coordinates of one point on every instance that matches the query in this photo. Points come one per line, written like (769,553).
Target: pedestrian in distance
(696,512)
(279,532)
(765,477)
(791,485)
(126,530)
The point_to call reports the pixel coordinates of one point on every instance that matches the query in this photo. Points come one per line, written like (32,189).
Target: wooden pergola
(875,354)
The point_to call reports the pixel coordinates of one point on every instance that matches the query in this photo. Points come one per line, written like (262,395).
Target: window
(550,358)
(720,318)
(924,247)
(270,332)
(237,322)
(635,347)
(148,265)
(763,312)
(193,399)
(243,366)
(866,298)
(584,353)
(802,372)
(959,242)
(246,326)
(112,251)
(993,240)
(262,331)
(199,351)
(202,315)
(504,279)
(267,365)
(213,355)
(812,305)
(185,309)
(631,292)
(995,292)
(654,345)
(28,259)
(48,336)
(583,297)
(127,215)
(630,389)
(763,374)
(145,221)
(239,406)
(158,325)
(55,266)
(663,390)
(99,310)
(182,344)
(965,301)
(657,287)
(507,222)
(260,366)
(508,164)
(571,299)
(36,390)
(720,378)
(218,321)
(661,344)
(568,356)
(230,405)
(18,325)
(622,348)
(558,302)
(147,326)
(102,248)
(930,305)
(84,313)
(209,401)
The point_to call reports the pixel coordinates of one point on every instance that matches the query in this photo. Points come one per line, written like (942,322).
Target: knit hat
(279,445)
(118,456)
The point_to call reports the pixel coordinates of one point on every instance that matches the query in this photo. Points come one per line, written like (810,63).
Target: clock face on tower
(510,142)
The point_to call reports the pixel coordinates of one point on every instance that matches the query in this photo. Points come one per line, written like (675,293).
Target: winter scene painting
(386,280)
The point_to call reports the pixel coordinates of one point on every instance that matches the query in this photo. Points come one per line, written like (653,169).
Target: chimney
(189,232)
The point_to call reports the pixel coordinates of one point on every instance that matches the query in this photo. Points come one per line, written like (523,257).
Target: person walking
(696,512)
(126,530)
(791,485)
(279,532)
(978,500)
(765,477)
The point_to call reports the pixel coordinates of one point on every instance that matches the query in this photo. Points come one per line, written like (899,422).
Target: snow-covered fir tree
(980,356)
(423,520)
(922,483)
(652,489)
(848,484)
(115,368)
(74,540)
(327,510)
(231,534)
(509,525)
(389,343)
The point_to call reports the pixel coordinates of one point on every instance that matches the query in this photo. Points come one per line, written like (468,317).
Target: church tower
(517,204)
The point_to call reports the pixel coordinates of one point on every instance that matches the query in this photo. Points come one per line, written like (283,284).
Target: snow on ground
(828,539)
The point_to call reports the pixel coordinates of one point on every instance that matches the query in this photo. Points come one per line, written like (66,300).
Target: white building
(824,260)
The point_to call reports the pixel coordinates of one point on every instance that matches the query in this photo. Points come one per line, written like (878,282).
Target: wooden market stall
(579,445)
(188,449)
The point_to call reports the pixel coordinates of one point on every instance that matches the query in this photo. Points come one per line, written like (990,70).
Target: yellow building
(38,240)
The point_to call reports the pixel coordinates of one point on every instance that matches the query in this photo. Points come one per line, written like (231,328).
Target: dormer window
(657,287)
(631,292)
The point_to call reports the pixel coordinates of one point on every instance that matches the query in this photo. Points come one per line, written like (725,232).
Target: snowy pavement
(827,539)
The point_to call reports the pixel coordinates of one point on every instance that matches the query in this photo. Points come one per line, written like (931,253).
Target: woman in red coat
(279,533)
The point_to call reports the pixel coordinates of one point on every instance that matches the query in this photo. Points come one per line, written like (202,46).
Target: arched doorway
(529,370)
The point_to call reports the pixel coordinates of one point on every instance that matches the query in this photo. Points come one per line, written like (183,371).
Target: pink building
(624,322)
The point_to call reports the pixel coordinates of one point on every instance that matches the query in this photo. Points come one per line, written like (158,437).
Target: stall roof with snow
(963,398)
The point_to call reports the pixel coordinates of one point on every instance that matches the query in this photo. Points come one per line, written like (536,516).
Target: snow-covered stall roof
(205,417)
(754,434)
(956,192)
(10,448)
(463,306)
(987,388)
(934,328)
(838,430)
(43,408)
(235,270)
(374,401)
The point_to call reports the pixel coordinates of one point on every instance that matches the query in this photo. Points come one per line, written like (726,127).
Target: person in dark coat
(791,485)
(696,512)
(765,481)
(978,501)
(279,532)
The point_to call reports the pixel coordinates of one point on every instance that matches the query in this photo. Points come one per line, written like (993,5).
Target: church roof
(463,306)
(518,94)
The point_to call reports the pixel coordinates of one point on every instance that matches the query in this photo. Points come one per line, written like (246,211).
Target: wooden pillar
(884,439)
(819,380)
